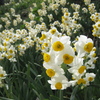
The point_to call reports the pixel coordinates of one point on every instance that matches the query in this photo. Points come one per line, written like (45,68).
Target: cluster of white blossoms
(91,8)
(14,43)
(45,39)
(76,7)
(2,76)
(10,18)
(69,23)
(87,2)
(7,50)
(14,40)
(95,17)
(96,27)
(79,59)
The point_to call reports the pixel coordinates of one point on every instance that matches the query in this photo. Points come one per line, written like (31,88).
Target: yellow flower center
(53,31)
(94,49)
(75,22)
(73,78)
(11,51)
(94,26)
(94,35)
(46,57)
(58,85)
(50,72)
(45,44)
(9,56)
(66,14)
(65,19)
(94,55)
(90,79)
(1,75)
(93,31)
(57,46)
(7,39)
(98,25)
(0,49)
(43,37)
(81,81)
(67,59)
(5,44)
(43,47)
(5,49)
(96,29)
(81,69)
(88,47)
(94,61)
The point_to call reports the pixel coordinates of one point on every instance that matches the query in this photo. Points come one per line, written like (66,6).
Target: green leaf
(52,97)
(3,98)
(74,93)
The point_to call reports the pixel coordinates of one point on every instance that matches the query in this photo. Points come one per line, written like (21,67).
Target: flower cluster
(12,43)
(10,19)
(78,58)
(70,24)
(2,76)
(96,27)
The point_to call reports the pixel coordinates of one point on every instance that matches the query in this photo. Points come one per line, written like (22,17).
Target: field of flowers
(50,50)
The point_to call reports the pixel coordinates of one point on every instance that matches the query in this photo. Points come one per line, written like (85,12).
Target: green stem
(61,95)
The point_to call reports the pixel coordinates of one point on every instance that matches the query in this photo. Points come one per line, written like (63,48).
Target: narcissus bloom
(77,68)
(78,80)
(53,70)
(53,31)
(46,57)
(2,76)
(90,77)
(49,57)
(66,56)
(60,82)
(83,45)
(91,60)
(58,43)
(57,46)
